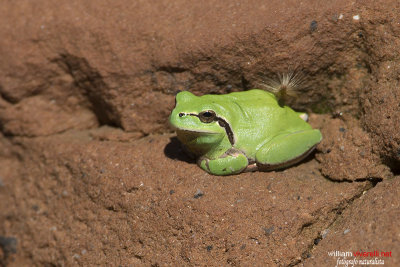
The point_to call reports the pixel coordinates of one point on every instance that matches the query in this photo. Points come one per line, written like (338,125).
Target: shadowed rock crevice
(93,87)
(373,180)
(5,97)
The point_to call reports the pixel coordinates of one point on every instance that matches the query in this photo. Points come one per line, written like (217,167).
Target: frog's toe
(303,116)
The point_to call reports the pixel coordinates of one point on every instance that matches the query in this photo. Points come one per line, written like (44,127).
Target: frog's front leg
(232,162)
(287,149)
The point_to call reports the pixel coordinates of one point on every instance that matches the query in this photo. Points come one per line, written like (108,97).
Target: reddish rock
(130,203)
(90,176)
(347,152)
(364,227)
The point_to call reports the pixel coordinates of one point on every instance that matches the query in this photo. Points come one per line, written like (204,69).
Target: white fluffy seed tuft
(284,86)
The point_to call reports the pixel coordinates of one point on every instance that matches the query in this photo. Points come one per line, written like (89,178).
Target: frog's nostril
(181,114)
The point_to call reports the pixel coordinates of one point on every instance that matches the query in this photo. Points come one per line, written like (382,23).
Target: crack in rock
(338,211)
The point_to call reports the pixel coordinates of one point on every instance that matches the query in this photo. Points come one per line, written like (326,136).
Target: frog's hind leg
(287,149)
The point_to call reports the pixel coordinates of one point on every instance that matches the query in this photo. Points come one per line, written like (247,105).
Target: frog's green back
(255,117)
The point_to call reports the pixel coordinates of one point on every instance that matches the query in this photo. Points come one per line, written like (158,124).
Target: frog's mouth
(221,122)
(189,131)
(224,124)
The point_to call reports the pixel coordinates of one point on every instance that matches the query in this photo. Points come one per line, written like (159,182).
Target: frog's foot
(287,149)
(303,116)
(231,162)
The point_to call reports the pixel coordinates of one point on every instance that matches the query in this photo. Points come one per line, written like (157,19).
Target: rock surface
(364,227)
(91,174)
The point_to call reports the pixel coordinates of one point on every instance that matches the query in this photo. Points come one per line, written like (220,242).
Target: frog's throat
(224,124)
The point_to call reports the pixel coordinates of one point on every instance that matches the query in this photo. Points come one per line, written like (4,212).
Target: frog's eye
(207,116)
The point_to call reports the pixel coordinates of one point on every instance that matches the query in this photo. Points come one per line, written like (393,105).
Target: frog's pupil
(206,116)
(181,114)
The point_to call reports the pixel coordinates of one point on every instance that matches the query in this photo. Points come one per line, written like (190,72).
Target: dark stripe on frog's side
(224,124)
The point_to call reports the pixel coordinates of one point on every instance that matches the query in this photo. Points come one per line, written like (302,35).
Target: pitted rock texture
(364,227)
(91,174)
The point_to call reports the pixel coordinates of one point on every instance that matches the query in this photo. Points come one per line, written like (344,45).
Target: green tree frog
(242,131)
